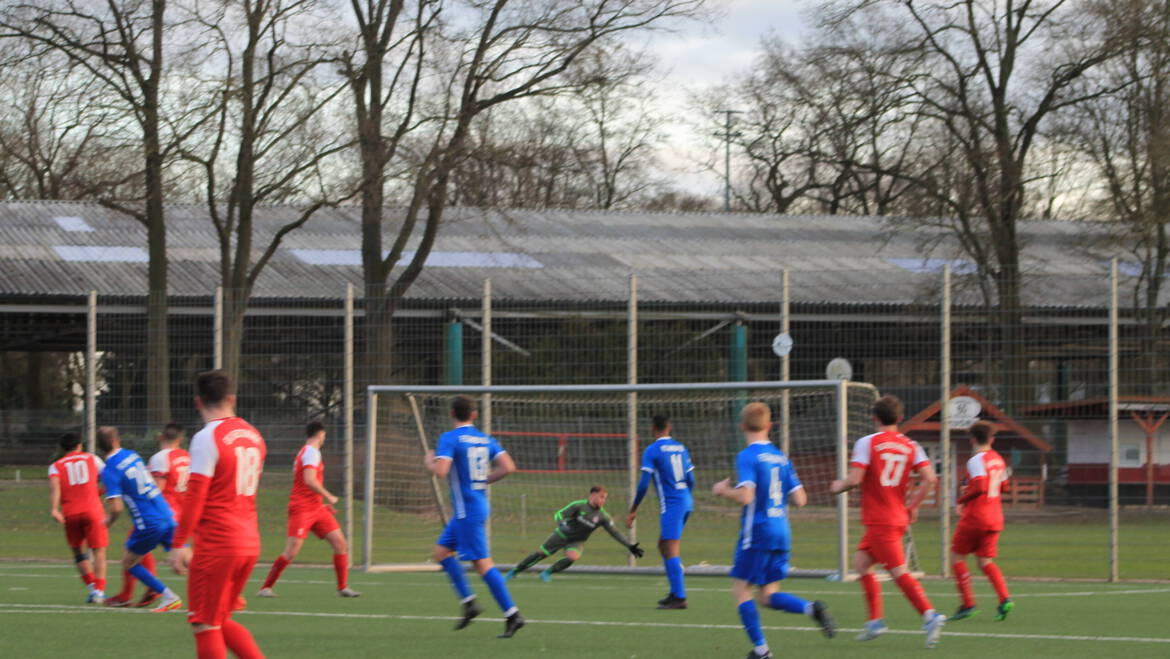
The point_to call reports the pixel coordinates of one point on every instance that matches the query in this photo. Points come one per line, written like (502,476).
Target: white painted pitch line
(794,591)
(45,608)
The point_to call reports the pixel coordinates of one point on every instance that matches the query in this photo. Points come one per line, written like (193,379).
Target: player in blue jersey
(668,464)
(765,483)
(471,460)
(128,483)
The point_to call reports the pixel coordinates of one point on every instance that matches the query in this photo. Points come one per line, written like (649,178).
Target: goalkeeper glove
(636,550)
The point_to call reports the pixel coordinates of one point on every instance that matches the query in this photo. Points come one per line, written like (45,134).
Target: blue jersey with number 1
(764,521)
(471,452)
(668,461)
(126,476)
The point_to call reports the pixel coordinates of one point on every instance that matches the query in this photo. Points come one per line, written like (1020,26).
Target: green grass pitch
(586,616)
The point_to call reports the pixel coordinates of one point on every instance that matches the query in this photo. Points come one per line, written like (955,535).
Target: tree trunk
(158,351)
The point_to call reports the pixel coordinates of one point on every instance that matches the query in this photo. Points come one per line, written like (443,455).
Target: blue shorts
(468,537)
(142,541)
(760,566)
(671,523)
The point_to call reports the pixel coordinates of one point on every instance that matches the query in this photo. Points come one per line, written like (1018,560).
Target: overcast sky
(701,55)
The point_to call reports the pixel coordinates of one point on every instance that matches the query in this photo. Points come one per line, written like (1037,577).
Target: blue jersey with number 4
(471,452)
(126,476)
(669,463)
(764,521)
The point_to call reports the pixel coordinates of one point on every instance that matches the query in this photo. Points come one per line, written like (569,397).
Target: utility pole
(727,136)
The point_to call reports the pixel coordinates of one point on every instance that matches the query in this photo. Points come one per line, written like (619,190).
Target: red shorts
(981,542)
(88,528)
(214,585)
(319,520)
(884,544)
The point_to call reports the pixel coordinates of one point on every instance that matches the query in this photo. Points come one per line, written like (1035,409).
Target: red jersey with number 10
(307,465)
(77,473)
(888,459)
(230,453)
(982,505)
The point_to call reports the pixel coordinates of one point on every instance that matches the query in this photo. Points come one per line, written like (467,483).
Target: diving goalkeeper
(575,523)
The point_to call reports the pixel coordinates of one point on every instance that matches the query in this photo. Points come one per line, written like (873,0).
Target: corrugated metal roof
(585,255)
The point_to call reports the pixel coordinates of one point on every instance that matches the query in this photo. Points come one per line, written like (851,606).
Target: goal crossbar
(840,431)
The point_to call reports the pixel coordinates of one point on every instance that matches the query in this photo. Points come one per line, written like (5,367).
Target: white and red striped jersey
(888,458)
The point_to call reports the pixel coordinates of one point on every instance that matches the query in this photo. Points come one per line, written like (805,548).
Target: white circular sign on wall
(962,411)
(839,369)
(782,344)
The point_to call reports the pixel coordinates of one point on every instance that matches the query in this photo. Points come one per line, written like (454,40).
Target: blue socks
(674,574)
(789,603)
(454,572)
(495,582)
(751,623)
(142,574)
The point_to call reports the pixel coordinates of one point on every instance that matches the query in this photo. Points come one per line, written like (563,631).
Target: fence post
(91,372)
(371,458)
(842,472)
(485,411)
(785,366)
(944,415)
(453,352)
(632,401)
(217,330)
(1114,409)
(347,410)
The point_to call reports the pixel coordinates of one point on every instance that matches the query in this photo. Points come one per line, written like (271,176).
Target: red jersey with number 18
(230,453)
(888,459)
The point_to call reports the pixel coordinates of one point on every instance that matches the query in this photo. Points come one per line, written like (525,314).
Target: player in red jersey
(75,502)
(980,511)
(219,509)
(170,468)
(307,512)
(882,464)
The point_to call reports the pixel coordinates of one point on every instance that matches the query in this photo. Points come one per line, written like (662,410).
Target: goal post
(565,438)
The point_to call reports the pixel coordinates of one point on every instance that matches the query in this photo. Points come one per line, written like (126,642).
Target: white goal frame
(841,432)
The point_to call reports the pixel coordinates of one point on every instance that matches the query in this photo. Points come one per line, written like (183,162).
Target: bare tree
(993,75)
(497,52)
(122,44)
(269,139)
(1126,136)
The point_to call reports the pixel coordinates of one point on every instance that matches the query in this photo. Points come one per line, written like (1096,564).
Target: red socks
(148,563)
(873,595)
(88,579)
(341,567)
(277,567)
(209,644)
(100,583)
(240,641)
(963,583)
(996,579)
(913,592)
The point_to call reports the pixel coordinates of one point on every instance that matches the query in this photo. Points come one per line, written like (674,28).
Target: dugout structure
(565,438)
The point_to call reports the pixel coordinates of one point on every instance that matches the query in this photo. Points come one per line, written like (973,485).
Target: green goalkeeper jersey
(578,520)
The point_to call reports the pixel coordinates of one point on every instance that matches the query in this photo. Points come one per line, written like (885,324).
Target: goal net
(566,438)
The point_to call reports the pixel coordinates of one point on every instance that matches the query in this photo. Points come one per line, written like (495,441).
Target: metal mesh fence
(1034,358)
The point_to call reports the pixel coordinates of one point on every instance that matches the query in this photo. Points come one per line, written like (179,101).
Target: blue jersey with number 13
(471,452)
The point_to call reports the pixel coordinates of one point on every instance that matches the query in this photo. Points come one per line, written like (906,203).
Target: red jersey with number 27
(982,505)
(230,453)
(888,459)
